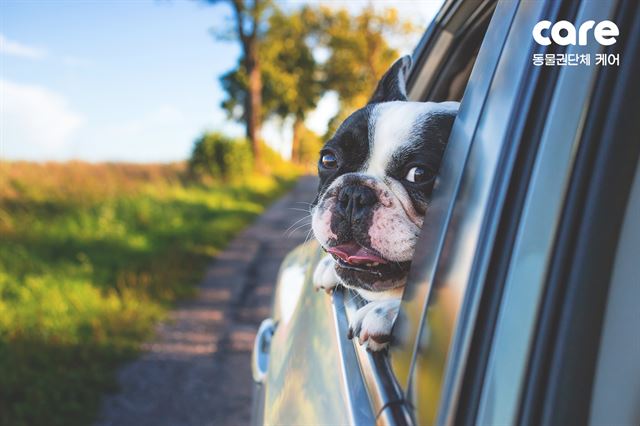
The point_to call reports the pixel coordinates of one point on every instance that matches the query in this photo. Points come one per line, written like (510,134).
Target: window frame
(494,112)
(564,357)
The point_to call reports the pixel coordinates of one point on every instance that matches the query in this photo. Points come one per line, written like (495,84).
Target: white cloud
(144,127)
(160,134)
(35,123)
(75,62)
(14,48)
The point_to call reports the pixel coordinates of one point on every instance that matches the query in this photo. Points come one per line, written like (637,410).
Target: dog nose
(354,201)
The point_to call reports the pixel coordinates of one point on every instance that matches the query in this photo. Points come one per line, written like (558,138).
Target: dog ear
(392,85)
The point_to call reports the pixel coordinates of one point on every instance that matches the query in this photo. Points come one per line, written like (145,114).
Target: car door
(499,240)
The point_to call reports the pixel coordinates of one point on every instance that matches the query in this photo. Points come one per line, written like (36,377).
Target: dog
(377,173)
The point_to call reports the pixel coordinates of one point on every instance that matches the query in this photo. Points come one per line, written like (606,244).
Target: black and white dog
(376,177)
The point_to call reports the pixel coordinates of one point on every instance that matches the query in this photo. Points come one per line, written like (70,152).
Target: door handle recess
(261,346)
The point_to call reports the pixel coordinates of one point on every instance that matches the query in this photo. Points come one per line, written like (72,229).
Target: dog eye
(329,161)
(416,175)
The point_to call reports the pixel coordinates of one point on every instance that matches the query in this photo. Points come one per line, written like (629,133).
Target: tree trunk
(254,102)
(295,143)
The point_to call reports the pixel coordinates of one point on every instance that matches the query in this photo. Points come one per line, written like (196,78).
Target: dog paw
(325,277)
(372,324)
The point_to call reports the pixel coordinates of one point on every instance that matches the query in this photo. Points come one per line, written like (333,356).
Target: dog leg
(325,277)
(372,323)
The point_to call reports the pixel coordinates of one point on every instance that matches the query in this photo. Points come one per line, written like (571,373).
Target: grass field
(90,257)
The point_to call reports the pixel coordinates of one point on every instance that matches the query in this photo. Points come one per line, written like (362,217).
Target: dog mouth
(366,261)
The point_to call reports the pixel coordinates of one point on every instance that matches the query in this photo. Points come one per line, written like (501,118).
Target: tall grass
(91,256)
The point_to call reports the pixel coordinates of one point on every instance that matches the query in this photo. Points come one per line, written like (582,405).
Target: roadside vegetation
(91,257)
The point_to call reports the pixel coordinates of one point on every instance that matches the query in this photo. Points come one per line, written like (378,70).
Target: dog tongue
(354,253)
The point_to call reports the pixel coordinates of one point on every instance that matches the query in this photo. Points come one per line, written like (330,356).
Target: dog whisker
(297,222)
(299,210)
(292,231)
(308,235)
(297,228)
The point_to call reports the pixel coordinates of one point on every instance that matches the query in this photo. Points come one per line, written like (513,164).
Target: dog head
(376,177)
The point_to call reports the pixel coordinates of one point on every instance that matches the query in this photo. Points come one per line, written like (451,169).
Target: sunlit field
(91,256)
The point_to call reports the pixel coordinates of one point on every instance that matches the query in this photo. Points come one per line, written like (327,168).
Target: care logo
(564,33)
(604,33)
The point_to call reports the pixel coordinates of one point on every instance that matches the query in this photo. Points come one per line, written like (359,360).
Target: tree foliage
(359,53)
(291,77)
(249,16)
(309,51)
(310,145)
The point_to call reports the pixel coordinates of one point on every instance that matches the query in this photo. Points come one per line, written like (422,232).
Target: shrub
(220,157)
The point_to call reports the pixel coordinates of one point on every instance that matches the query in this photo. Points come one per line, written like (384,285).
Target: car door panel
(313,375)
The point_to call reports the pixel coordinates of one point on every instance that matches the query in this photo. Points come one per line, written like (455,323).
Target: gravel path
(197,371)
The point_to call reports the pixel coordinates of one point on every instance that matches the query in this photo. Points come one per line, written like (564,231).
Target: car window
(439,73)
(617,367)
(464,214)
(442,66)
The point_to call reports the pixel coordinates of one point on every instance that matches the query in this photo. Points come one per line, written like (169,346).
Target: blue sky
(128,80)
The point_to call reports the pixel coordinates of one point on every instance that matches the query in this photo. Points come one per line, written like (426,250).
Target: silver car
(522,305)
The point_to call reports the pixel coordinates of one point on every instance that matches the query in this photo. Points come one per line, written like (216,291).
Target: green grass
(91,256)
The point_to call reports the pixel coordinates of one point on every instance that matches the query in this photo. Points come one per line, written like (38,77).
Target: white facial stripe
(391,125)
(390,128)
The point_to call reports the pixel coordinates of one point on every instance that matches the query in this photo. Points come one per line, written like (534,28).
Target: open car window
(443,62)
(461,225)
(442,72)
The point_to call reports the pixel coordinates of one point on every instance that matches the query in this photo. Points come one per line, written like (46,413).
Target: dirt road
(197,371)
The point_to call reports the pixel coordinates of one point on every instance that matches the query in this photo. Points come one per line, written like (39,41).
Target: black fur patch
(428,142)
(391,86)
(350,145)
(348,228)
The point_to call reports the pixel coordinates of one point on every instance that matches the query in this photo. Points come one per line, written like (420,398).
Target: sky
(127,80)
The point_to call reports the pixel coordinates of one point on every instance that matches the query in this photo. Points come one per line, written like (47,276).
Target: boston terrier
(376,177)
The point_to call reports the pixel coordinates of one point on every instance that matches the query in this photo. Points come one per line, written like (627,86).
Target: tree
(290,75)
(249,16)
(359,53)
(310,145)
(292,78)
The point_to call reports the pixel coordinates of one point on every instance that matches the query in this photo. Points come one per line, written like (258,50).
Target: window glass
(617,366)
(448,63)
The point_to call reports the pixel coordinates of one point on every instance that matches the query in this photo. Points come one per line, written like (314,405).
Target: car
(522,301)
